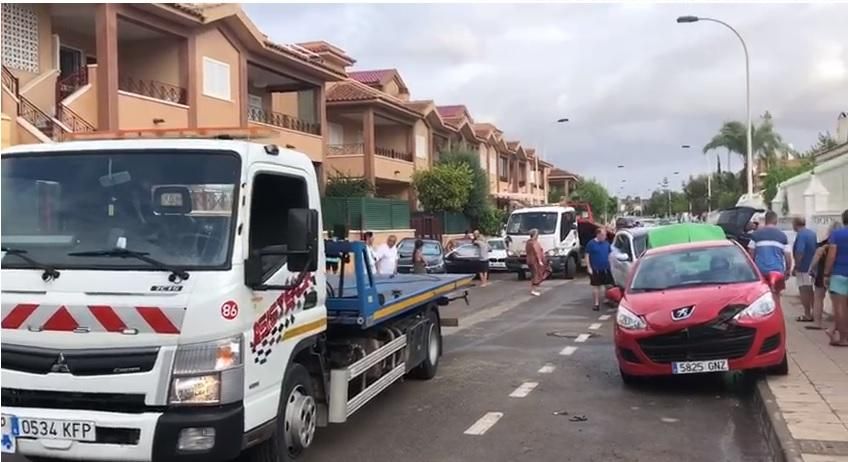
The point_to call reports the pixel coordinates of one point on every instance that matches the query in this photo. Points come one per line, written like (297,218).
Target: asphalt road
(535,378)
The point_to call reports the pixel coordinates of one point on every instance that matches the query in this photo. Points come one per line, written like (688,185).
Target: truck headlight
(761,308)
(626,319)
(208,373)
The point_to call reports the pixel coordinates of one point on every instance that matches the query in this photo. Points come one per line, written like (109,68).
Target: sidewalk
(813,398)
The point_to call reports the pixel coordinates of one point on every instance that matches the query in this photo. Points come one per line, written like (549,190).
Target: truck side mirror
(253,273)
(302,240)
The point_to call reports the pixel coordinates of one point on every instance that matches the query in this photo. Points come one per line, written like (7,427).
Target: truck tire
(433,342)
(570,268)
(297,418)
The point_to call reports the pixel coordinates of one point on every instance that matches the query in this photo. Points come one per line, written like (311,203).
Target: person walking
(419,264)
(597,263)
(836,281)
(483,245)
(770,249)
(803,251)
(536,262)
(817,267)
(386,257)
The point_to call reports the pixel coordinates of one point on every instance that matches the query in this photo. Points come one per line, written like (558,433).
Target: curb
(782,446)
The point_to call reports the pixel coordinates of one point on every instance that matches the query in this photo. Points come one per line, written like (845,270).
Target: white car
(497,254)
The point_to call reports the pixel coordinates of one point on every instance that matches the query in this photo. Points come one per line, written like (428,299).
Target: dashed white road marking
(595,326)
(484,424)
(582,338)
(670,420)
(523,390)
(568,351)
(604,317)
(547,368)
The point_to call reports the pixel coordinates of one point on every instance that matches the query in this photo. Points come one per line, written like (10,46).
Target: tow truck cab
(162,300)
(558,236)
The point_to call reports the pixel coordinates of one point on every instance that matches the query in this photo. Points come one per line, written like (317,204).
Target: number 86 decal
(229,310)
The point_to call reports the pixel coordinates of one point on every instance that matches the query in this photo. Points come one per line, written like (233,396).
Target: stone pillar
(106,37)
(368,140)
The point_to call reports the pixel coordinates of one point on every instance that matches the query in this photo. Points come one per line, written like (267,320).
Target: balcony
(153,89)
(349,149)
(393,154)
(283,121)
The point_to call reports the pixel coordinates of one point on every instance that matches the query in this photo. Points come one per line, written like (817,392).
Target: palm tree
(733,137)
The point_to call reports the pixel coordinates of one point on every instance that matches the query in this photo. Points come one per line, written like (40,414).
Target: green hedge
(365,213)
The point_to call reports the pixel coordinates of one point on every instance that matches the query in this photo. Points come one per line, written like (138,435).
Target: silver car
(627,246)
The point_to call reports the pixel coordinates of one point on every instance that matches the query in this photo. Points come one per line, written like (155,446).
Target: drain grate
(822,447)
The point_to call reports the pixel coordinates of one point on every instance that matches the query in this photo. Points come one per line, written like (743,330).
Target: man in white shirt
(369,248)
(386,257)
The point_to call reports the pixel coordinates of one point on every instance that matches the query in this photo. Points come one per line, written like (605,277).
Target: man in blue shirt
(597,263)
(770,248)
(802,253)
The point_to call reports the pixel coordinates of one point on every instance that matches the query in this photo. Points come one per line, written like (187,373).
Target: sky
(634,84)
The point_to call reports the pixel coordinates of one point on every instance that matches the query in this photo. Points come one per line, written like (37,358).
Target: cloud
(634,83)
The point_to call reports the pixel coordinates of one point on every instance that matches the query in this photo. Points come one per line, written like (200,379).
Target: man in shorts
(803,251)
(770,248)
(597,263)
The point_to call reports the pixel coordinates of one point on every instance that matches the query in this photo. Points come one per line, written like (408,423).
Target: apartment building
(108,67)
(562,182)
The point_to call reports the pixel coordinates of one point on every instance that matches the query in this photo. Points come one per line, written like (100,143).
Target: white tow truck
(164,300)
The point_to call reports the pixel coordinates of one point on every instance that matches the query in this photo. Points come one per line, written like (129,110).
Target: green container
(683,233)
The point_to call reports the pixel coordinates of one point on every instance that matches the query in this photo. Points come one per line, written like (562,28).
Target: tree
(780,173)
(592,192)
(491,221)
(478,195)
(733,136)
(443,188)
(556,193)
(341,185)
(825,142)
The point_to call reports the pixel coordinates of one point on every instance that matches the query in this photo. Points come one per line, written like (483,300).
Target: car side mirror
(302,240)
(614,294)
(621,256)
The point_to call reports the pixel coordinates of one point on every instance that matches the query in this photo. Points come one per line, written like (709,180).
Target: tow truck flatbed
(366,299)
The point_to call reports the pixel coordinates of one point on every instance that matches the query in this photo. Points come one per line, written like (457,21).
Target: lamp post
(750,155)
(544,150)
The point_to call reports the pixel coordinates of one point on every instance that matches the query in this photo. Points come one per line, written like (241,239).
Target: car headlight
(627,320)
(208,373)
(762,307)
(510,253)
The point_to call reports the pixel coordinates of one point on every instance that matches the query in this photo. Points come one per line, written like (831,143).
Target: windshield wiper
(177,274)
(49,273)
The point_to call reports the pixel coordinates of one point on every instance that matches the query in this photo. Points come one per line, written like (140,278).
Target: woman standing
(817,273)
(536,262)
(836,281)
(419,264)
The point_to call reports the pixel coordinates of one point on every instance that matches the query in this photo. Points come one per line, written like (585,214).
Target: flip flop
(814,327)
(804,319)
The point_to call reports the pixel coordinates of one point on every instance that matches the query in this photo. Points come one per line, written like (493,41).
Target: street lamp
(750,155)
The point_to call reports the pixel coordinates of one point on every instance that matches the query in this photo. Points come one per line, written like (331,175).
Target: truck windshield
(522,223)
(175,207)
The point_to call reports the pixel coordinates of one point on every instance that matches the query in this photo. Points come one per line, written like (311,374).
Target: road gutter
(782,446)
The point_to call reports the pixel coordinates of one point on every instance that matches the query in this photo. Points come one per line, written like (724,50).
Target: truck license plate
(16,427)
(698,367)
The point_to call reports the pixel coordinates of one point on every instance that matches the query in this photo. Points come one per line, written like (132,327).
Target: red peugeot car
(697,308)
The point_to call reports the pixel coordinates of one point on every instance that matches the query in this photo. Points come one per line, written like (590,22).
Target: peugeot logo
(682,313)
(60,365)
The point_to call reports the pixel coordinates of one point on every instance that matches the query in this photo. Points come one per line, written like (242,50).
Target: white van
(558,235)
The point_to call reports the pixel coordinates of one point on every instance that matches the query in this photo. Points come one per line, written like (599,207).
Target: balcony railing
(346,149)
(38,118)
(10,81)
(393,154)
(283,120)
(153,89)
(71,83)
(72,120)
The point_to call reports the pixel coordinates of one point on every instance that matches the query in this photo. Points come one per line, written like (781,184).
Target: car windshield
(522,223)
(497,244)
(430,249)
(692,267)
(175,207)
(467,251)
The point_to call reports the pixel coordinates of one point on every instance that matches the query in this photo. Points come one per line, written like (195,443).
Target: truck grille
(78,362)
(721,338)
(108,402)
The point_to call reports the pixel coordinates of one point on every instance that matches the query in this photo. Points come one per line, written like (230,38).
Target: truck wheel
(570,268)
(297,418)
(433,343)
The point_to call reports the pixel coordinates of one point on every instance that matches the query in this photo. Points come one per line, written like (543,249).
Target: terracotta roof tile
(347,91)
(560,173)
(452,111)
(371,77)
(190,8)
(512,144)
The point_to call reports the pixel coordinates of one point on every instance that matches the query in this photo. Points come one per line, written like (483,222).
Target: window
(272,197)
(254,103)
(20,37)
(566,224)
(336,133)
(503,168)
(216,79)
(421,146)
(467,251)
(522,223)
(640,243)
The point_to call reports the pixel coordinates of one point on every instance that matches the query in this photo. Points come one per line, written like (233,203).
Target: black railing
(72,120)
(283,120)
(393,154)
(38,118)
(154,89)
(10,81)
(70,83)
(345,149)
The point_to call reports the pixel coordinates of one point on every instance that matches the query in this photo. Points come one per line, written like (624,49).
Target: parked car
(629,244)
(464,259)
(497,254)
(695,308)
(433,254)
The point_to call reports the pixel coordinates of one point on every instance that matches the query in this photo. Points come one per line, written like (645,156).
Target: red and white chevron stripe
(93,318)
